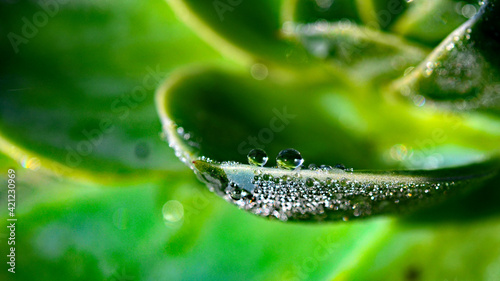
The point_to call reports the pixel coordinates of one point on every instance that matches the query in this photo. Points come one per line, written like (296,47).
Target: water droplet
(236,193)
(173,211)
(289,159)
(310,182)
(429,69)
(267,177)
(325,167)
(257,157)
(340,166)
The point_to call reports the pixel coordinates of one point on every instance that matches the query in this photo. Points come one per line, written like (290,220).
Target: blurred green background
(125,208)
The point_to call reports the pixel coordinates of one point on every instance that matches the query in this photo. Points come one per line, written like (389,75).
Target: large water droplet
(289,159)
(257,157)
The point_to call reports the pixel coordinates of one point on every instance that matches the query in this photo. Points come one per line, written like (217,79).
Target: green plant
(102,196)
(378,67)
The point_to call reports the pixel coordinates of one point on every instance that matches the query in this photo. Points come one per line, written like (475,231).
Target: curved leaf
(366,54)
(64,235)
(246,30)
(430,21)
(223,113)
(334,194)
(441,252)
(377,14)
(381,13)
(203,118)
(78,99)
(463,72)
(97,233)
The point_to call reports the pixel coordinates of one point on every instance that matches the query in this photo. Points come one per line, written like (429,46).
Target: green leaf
(89,232)
(365,53)
(430,21)
(440,252)
(78,99)
(203,118)
(336,34)
(377,14)
(222,113)
(306,11)
(334,194)
(381,14)
(463,71)
(245,30)
(87,235)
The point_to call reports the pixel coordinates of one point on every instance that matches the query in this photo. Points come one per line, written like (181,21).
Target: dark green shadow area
(80,88)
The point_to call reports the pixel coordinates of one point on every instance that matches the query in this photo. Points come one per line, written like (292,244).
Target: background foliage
(95,210)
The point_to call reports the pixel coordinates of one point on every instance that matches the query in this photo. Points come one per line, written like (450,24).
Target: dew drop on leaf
(257,157)
(310,182)
(289,159)
(325,167)
(236,193)
(340,166)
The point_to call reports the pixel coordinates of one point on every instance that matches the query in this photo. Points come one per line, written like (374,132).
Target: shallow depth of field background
(100,195)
